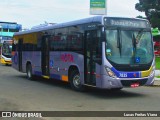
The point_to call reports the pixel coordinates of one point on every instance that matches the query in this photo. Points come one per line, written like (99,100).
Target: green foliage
(151,9)
(155,22)
(156,33)
(141,17)
(158,63)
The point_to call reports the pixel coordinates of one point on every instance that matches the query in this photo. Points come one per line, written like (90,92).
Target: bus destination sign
(119,22)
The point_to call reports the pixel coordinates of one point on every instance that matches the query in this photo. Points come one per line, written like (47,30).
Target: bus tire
(29,72)
(75,81)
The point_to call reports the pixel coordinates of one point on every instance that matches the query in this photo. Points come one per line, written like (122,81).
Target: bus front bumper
(111,83)
(6,62)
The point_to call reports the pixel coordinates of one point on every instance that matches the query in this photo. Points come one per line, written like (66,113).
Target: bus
(6,50)
(102,52)
(156,40)
(7,30)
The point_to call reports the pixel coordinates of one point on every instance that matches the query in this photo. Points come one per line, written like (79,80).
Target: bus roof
(72,23)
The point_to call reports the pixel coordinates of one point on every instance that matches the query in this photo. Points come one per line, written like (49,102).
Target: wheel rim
(76,80)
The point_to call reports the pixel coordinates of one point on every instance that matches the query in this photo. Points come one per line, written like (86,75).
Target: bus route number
(123,75)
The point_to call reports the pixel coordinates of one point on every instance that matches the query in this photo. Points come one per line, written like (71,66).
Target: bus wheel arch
(74,78)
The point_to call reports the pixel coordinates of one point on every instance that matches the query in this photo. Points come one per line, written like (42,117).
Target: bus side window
(75,38)
(98,45)
(59,40)
(51,43)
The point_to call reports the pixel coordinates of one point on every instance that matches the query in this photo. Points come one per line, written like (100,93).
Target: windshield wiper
(139,35)
(134,41)
(119,43)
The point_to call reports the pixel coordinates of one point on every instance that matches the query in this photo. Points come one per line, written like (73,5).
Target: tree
(141,17)
(151,9)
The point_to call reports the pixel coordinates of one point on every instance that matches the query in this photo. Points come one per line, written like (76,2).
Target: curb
(153,86)
(156,83)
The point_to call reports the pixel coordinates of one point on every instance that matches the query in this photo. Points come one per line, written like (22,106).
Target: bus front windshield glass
(129,46)
(6,49)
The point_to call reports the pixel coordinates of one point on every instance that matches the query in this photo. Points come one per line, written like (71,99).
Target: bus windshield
(6,49)
(129,46)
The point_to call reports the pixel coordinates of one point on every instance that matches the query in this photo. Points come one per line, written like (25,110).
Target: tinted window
(75,39)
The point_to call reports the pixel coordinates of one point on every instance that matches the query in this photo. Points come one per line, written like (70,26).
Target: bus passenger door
(89,55)
(20,46)
(45,55)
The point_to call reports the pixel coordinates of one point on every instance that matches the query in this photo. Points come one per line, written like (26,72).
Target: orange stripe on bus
(65,78)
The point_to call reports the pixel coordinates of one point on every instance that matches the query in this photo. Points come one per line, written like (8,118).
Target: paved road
(17,93)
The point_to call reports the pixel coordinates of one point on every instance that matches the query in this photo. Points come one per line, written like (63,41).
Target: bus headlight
(110,72)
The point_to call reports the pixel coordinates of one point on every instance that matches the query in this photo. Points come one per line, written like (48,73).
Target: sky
(30,13)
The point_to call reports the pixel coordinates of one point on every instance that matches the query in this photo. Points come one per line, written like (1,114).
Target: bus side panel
(36,63)
(60,63)
(15,60)
(98,76)
(35,59)
(54,65)
(25,58)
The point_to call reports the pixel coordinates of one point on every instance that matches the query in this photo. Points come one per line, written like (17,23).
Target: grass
(158,63)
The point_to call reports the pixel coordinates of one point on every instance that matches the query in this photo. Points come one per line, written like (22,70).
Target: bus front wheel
(75,81)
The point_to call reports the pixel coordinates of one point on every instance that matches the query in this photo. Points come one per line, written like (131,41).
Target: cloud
(123,8)
(29,13)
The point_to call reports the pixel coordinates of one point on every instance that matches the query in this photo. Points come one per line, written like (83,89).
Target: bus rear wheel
(75,81)
(29,72)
